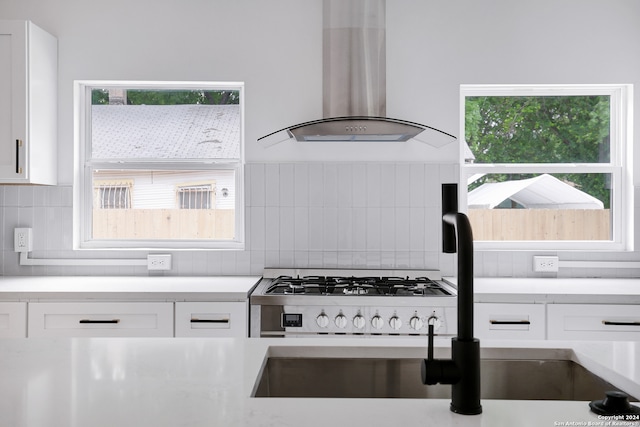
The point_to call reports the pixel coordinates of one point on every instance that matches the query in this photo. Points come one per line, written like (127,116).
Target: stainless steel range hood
(354,82)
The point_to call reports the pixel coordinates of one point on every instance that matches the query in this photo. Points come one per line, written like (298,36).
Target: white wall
(275,48)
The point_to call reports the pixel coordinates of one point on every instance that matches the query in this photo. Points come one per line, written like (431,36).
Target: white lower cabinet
(594,322)
(13,319)
(100,319)
(211,319)
(510,321)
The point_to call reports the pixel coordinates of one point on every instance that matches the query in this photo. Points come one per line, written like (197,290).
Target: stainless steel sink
(387,377)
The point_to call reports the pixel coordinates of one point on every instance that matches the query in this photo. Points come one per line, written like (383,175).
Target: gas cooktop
(356,285)
(313,302)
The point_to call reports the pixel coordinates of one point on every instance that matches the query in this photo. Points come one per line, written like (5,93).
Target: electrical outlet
(159,262)
(545,263)
(23,240)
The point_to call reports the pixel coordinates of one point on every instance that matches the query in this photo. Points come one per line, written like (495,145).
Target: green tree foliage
(171,97)
(541,129)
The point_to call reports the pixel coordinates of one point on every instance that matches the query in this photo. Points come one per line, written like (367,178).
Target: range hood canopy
(354,83)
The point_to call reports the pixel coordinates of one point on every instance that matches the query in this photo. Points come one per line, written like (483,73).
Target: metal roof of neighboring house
(165,131)
(542,192)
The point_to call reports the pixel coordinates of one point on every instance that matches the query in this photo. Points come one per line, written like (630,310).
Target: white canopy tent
(542,192)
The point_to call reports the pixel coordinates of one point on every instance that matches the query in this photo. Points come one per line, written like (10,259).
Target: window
(151,159)
(546,166)
(195,196)
(112,195)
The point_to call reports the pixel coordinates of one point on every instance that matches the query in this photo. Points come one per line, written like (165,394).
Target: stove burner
(371,286)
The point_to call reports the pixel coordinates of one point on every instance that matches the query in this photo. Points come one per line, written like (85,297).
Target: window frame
(620,165)
(84,165)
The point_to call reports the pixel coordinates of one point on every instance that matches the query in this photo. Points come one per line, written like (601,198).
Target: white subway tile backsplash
(359,229)
(374,229)
(286,184)
(330,229)
(257,228)
(345,185)
(301,228)
(403,186)
(315,259)
(402,221)
(272,184)
(432,186)
(345,229)
(417,225)
(12,196)
(287,228)
(387,185)
(330,259)
(316,184)
(388,229)
(373,185)
(416,185)
(330,185)
(301,185)
(256,184)
(272,228)
(359,189)
(316,229)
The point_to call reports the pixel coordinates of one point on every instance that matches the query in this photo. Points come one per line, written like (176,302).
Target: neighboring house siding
(158,190)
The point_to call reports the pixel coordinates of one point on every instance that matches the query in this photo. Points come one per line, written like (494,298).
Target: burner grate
(352,286)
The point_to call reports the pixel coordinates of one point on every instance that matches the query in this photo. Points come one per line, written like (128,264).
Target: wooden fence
(163,224)
(540,224)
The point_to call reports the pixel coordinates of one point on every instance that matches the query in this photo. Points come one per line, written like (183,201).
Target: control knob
(322,320)
(341,321)
(359,321)
(416,323)
(435,321)
(395,322)
(377,322)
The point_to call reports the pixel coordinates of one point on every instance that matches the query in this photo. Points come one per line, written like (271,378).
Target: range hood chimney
(354,82)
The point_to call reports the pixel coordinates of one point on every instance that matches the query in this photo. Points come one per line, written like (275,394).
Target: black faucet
(462,371)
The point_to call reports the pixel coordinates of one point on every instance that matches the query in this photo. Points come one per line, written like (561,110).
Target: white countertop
(552,290)
(147,288)
(207,382)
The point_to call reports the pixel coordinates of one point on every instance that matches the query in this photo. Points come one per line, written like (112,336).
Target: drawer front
(101,319)
(510,321)
(211,319)
(594,322)
(13,319)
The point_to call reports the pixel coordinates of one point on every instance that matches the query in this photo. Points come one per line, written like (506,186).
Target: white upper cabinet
(28,103)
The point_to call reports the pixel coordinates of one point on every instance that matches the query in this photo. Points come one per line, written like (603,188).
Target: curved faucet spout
(463,369)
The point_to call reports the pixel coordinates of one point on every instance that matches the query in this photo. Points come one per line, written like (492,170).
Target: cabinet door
(593,322)
(211,319)
(13,319)
(28,104)
(510,321)
(100,319)
(13,98)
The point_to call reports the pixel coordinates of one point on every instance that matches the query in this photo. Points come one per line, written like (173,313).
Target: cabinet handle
(509,322)
(18,144)
(91,321)
(195,320)
(615,323)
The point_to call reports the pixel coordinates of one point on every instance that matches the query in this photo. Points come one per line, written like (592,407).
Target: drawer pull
(509,322)
(91,321)
(615,323)
(194,320)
